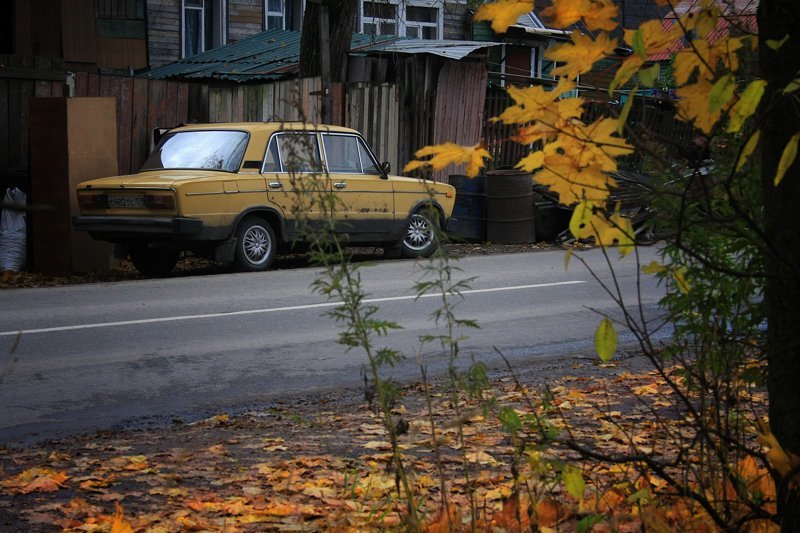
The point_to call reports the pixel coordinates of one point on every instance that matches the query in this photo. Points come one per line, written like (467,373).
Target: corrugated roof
(444,48)
(268,55)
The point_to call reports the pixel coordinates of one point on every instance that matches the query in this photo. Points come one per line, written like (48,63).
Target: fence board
(139,135)
(171,118)
(5,120)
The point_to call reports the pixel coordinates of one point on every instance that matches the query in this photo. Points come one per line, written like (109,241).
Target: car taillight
(92,201)
(159,201)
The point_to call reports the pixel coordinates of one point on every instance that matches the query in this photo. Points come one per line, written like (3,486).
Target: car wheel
(420,236)
(153,261)
(255,244)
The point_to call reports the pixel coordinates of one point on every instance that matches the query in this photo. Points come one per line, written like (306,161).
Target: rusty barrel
(509,207)
(468,221)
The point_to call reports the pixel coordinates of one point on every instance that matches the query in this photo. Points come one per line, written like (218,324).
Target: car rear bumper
(138,225)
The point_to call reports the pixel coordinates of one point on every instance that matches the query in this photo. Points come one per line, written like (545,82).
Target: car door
(296,183)
(363,196)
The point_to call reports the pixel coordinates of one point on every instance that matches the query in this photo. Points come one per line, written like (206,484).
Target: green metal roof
(269,55)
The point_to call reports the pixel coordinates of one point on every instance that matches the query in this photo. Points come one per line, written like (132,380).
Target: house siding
(457,24)
(245,18)
(164,30)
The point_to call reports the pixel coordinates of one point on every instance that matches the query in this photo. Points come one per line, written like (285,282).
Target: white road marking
(272,310)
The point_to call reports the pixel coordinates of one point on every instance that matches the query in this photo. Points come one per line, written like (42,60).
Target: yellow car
(240,192)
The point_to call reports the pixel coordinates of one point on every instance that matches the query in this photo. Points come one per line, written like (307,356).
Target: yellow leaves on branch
(503,13)
(445,154)
(579,56)
(787,158)
(596,14)
(539,104)
(589,221)
(780,460)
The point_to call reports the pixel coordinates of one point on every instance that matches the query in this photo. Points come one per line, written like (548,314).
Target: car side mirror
(386,168)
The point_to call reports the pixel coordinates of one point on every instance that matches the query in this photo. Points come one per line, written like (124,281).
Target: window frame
(401,18)
(359,141)
(274,138)
(282,14)
(218,11)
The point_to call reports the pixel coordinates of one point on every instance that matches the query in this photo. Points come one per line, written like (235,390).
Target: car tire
(255,245)
(153,261)
(420,238)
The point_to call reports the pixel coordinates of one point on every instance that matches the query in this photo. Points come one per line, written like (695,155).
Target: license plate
(126,201)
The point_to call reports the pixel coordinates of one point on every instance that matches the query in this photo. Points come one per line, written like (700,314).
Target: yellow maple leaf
(782,461)
(579,56)
(701,21)
(652,38)
(746,105)
(535,103)
(694,105)
(603,144)
(503,13)
(749,148)
(531,162)
(450,153)
(573,184)
(625,72)
(596,14)
(36,480)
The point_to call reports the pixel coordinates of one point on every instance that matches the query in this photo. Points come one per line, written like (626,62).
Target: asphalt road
(98,356)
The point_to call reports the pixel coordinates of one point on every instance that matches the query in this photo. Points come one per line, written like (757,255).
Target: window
(417,20)
(203,25)
(379,18)
(201,150)
(346,154)
(293,152)
(284,14)
(422,22)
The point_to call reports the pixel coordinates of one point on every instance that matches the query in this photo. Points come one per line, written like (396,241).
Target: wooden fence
(374,110)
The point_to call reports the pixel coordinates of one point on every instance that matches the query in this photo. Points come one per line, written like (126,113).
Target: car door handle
(340,185)
(275,185)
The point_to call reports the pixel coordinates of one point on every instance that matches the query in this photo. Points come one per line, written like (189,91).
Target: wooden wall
(142,106)
(374,110)
(163,27)
(22,79)
(245,18)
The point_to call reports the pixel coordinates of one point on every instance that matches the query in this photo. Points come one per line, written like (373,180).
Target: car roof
(267,127)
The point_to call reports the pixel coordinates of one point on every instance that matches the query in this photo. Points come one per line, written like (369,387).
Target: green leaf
(588,522)
(510,419)
(626,110)
(721,93)
(605,340)
(748,149)
(792,86)
(573,481)
(772,43)
(638,44)
(747,105)
(649,76)
(789,154)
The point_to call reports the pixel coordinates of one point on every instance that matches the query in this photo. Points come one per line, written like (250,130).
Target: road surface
(94,356)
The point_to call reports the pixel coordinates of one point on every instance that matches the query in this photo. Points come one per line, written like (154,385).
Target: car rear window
(199,150)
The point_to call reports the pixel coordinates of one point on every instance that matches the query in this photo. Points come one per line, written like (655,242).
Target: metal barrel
(509,207)
(468,221)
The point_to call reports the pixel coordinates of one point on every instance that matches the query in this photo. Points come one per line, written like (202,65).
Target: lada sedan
(241,192)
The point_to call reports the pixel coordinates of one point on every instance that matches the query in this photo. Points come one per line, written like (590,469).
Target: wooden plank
(139,135)
(171,117)
(156,108)
(93,85)
(238,115)
(78,36)
(104,88)
(5,121)
(182,104)
(41,88)
(121,89)
(81,84)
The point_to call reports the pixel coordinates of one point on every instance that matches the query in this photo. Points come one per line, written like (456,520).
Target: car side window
(299,152)
(341,154)
(272,162)
(367,162)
